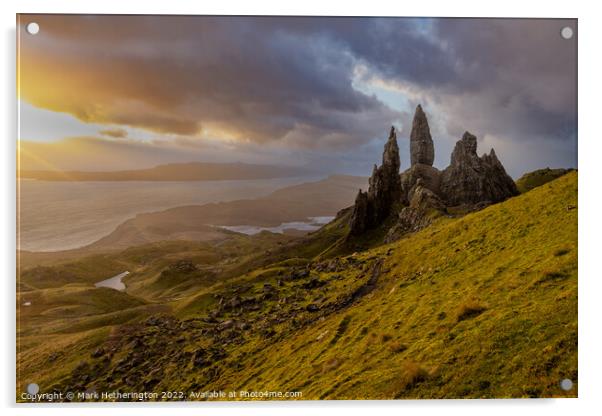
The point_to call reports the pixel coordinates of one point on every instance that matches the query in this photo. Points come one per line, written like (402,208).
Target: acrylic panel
(295,208)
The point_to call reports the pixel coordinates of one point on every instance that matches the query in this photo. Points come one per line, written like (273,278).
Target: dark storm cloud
(510,77)
(245,78)
(524,70)
(290,80)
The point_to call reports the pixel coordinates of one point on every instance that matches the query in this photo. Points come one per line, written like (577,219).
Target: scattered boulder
(183,266)
(53,356)
(268,288)
(156,321)
(226,325)
(243,326)
(312,307)
(299,274)
(334,265)
(235,302)
(200,358)
(313,283)
(98,352)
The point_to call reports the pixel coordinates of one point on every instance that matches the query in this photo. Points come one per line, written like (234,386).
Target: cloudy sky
(115,92)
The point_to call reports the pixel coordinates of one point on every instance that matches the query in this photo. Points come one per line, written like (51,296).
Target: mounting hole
(566,32)
(33,389)
(566,384)
(32,28)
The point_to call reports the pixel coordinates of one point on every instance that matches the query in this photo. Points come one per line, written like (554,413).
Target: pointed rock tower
(422,154)
(384,190)
(422,150)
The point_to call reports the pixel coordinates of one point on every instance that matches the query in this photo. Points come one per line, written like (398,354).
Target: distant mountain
(194,171)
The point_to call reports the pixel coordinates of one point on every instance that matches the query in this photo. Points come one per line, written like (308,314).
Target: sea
(53,216)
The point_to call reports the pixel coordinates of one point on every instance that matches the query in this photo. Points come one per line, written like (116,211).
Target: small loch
(113,282)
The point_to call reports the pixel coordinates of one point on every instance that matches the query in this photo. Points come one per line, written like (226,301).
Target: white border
(590,215)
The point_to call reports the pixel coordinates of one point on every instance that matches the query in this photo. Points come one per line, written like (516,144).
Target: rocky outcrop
(360,218)
(384,190)
(423,199)
(422,149)
(423,192)
(384,186)
(429,176)
(424,205)
(471,179)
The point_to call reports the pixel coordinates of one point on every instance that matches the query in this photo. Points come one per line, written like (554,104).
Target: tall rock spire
(421,143)
(385,183)
(384,190)
(391,153)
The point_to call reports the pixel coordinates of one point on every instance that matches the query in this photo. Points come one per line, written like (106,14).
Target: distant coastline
(61,215)
(174,172)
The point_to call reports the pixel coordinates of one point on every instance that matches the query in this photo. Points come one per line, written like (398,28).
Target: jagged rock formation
(424,205)
(360,218)
(384,190)
(422,149)
(423,192)
(384,185)
(471,179)
(423,199)
(429,176)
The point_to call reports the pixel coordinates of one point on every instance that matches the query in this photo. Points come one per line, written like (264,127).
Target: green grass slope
(539,177)
(479,306)
(483,306)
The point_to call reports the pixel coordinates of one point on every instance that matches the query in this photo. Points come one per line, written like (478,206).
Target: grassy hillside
(484,306)
(479,306)
(539,177)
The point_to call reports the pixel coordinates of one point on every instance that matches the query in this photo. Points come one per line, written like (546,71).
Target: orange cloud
(196,76)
